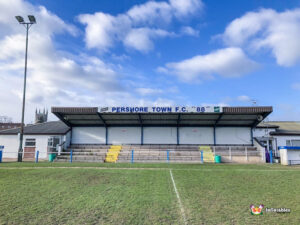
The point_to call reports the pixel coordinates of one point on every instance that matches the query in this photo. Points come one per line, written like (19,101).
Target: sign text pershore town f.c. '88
(161,109)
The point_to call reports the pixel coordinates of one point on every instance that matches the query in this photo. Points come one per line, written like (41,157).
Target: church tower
(41,117)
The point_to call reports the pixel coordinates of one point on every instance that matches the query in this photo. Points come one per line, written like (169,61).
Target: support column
(71,136)
(178,122)
(106,135)
(142,135)
(215,126)
(252,136)
(178,135)
(215,140)
(142,128)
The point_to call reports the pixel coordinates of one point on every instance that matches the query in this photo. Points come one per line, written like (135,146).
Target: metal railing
(238,151)
(169,155)
(294,162)
(36,156)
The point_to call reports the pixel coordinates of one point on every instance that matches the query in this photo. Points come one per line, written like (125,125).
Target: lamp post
(27,25)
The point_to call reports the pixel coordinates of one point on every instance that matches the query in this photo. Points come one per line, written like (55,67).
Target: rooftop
(282,127)
(169,116)
(5,126)
(53,127)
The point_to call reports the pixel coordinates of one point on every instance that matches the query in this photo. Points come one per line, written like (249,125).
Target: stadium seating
(160,153)
(208,155)
(84,153)
(113,153)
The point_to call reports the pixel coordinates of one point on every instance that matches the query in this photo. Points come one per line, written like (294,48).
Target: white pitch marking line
(178,198)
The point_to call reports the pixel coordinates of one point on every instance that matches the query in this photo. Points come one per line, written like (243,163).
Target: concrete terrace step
(196,154)
(87,150)
(157,161)
(79,160)
(161,157)
(76,158)
(159,147)
(162,150)
(157,150)
(249,148)
(240,153)
(89,146)
(84,153)
(235,150)
(152,153)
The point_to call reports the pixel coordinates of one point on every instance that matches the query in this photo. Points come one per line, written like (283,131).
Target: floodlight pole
(20,151)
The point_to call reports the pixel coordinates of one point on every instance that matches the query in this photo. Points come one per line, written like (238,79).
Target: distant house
(274,134)
(5,126)
(44,137)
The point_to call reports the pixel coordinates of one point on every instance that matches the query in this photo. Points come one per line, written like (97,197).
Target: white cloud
(97,35)
(228,62)
(157,12)
(244,98)
(184,8)
(189,31)
(51,24)
(267,28)
(139,26)
(140,39)
(55,77)
(103,30)
(150,12)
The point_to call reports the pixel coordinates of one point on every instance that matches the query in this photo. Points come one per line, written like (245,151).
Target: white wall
(233,135)
(261,149)
(124,135)
(11,145)
(196,135)
(160,135)
(41,143)
(88,135)
(262,132)
(289,154)
(281,140)
(67,140)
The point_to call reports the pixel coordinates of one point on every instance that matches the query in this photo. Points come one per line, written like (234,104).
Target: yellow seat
(113,153)
(208,155)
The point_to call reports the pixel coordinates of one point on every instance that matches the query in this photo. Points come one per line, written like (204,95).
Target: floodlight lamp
(20,19)
(31,19)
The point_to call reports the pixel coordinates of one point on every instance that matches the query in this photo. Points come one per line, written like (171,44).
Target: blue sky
(176,52)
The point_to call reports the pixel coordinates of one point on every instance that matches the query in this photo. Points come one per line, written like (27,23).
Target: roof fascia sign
(159,109)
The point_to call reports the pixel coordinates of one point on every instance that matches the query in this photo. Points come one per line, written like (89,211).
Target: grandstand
(162,134)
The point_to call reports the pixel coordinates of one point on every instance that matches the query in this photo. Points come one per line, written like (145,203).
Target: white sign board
(161,109)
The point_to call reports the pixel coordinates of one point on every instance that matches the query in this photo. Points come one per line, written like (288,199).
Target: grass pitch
(86,193)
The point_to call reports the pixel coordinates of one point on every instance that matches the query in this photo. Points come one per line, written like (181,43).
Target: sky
(151,53)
